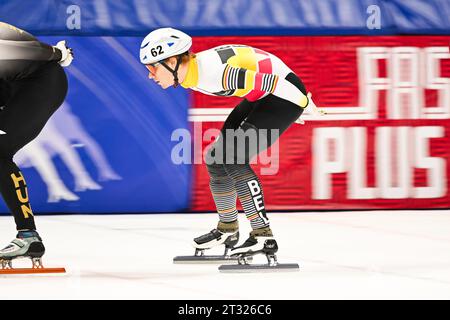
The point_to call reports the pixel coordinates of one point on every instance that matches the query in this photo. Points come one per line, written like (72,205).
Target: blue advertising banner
(108,148)
(230,17)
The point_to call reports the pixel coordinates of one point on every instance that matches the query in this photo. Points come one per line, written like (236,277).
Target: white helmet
(163,43)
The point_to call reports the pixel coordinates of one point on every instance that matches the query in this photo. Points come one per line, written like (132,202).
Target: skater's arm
(240,78)
(17,44)
(28,50)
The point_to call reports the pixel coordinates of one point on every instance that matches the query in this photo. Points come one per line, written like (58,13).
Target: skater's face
(160,74)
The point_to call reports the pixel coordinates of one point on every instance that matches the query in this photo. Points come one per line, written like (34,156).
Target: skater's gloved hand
(66,53)
(312,108)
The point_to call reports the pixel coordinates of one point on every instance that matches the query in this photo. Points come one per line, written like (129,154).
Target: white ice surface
(342,255)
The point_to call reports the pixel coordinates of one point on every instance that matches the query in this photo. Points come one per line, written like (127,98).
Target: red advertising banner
(384,142)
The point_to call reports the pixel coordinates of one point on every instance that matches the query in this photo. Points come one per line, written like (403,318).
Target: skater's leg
(30,105)
(269,118)
(247,184)
(249,191)
(221,184)
(223,192)
(223,188)
(14,191)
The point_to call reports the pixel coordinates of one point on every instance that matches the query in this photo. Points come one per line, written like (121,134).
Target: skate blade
(32,270)
(281,267)
(204,259)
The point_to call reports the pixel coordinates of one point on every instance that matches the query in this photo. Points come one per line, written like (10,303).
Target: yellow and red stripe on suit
(243,71)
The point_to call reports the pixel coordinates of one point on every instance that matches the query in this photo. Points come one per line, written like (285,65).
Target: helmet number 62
(156,51)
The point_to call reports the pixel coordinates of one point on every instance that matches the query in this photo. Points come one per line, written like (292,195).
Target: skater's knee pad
(216,170)
(238,170)
(214,155)
(214,161)
(241,145)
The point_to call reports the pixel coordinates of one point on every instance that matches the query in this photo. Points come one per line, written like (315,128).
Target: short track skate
(30,247)
(244,261)
(200,256)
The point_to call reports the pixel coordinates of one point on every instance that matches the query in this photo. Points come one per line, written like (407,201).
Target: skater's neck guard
(191,79)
